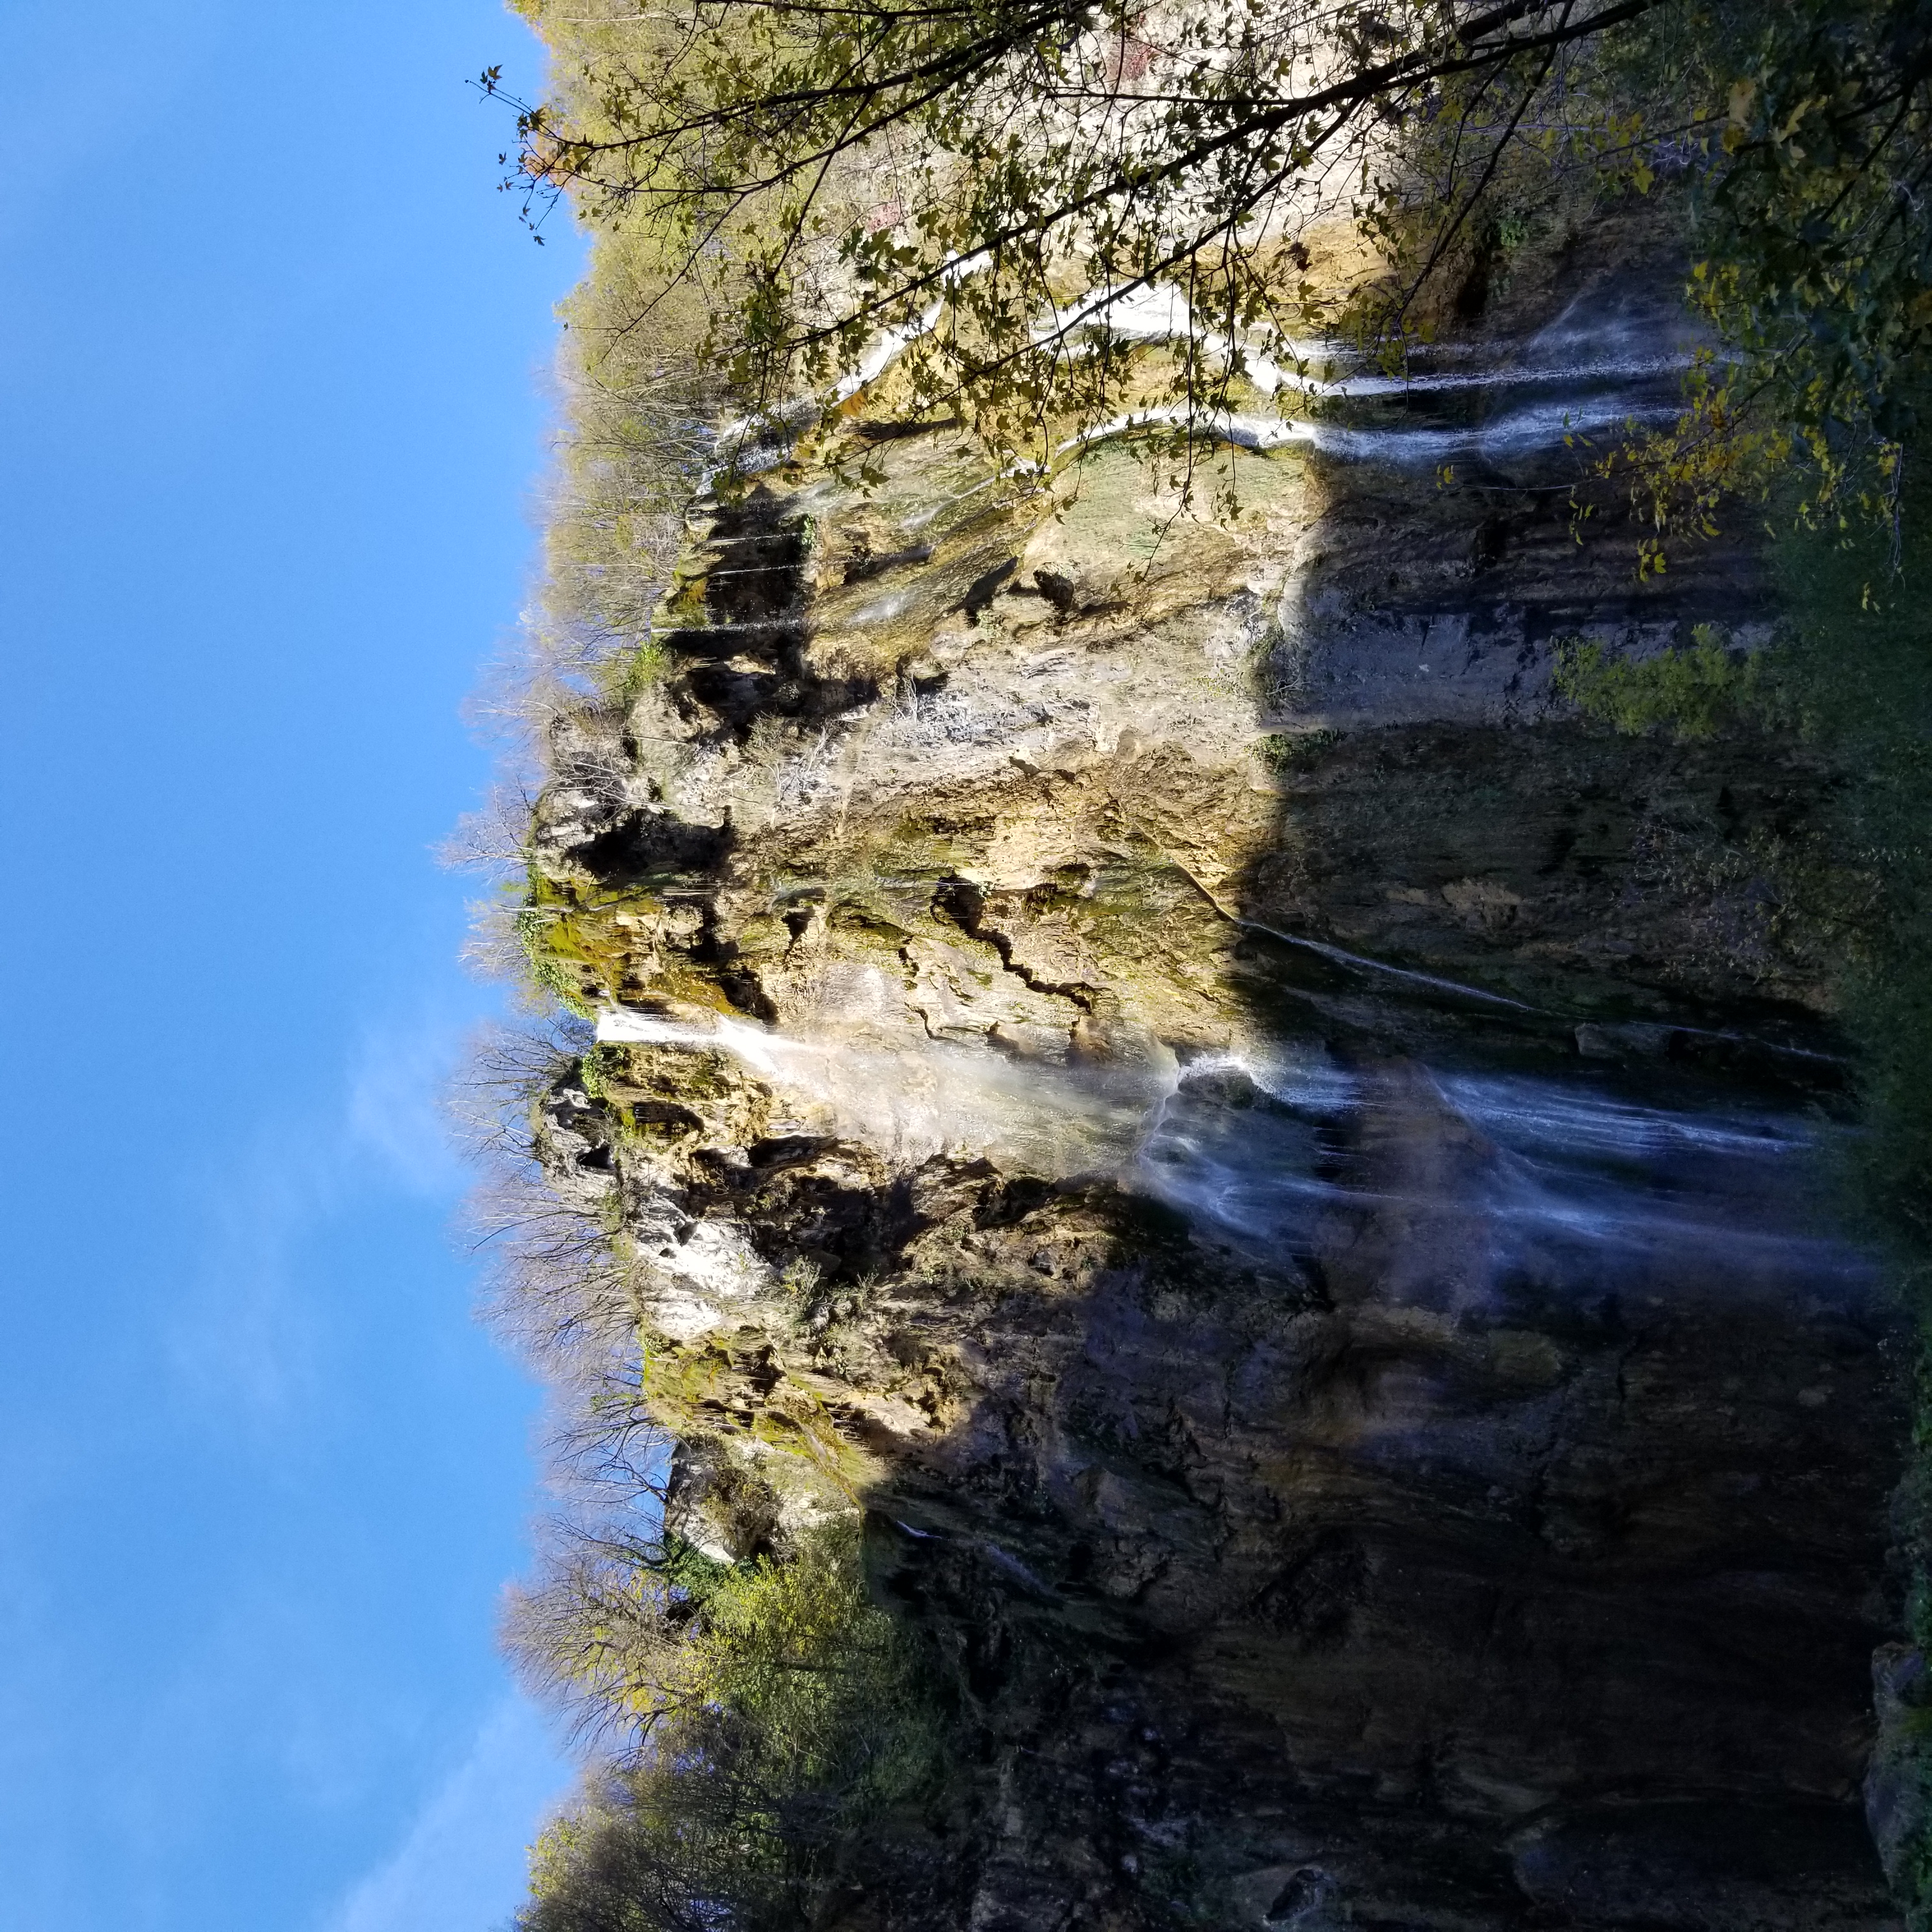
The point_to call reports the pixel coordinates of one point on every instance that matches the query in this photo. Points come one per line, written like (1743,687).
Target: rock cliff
(1145,1046)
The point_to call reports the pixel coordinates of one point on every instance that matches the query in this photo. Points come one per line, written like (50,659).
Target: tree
(776,1718)
(1815,261)
(1016,198)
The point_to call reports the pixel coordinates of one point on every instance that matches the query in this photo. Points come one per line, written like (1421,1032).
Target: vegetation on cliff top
(1021,195)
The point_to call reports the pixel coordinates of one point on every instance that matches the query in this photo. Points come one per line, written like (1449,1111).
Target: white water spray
(913,1102)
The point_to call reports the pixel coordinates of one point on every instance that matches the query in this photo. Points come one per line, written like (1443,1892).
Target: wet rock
(1898,1785)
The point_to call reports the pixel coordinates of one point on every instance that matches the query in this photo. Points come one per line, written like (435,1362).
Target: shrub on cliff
(1691,690)
(775,1717)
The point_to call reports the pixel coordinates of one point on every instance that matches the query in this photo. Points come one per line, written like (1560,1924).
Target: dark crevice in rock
(964,904)
(749,658)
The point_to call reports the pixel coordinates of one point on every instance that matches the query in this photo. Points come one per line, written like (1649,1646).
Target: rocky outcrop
(1146,1048)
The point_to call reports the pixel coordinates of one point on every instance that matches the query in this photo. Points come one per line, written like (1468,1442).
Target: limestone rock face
(1148,1048)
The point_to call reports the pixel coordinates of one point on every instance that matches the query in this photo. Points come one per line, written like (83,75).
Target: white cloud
(395,1111)
(244,1339)
(462,1867)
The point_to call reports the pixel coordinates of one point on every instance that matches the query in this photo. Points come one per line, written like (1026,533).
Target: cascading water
(1598,369)
(1497,1184)
(1500,1186)
(938,1097)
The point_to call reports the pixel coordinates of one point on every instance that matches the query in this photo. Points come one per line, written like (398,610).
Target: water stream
(1596,369)
(1474,1186)
(1469,1183)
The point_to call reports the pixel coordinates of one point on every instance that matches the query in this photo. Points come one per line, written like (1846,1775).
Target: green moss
(583,953)
(1282,751)
(549,966)
(701,1388)
(1692,691)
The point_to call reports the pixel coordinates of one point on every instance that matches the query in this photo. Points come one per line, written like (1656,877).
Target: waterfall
(1505,1180)
(912,1102)
(1347,1220)
(1284,1146)
(1597,374)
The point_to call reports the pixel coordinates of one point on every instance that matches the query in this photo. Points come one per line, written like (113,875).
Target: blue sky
(270,381)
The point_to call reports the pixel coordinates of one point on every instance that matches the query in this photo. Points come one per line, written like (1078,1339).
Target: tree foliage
(1018,197)
(774,1712)
(1806,205)
(1692,690)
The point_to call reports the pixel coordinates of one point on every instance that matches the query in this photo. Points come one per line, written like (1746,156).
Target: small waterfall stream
(1487,1183)
(1599,368)
(911,1103)
(1482,1187)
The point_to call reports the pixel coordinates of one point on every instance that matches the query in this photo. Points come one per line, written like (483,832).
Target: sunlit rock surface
(1146,1047)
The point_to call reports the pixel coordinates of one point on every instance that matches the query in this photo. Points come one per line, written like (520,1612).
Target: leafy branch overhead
(1016,197)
